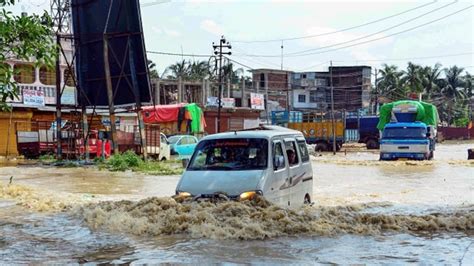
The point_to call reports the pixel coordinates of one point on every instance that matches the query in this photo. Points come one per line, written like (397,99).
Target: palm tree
(152,69)
(199,70)
(389,84)
(233,74)
(180,69)
(468,84)
(430,77)
(452,92)
(412,78)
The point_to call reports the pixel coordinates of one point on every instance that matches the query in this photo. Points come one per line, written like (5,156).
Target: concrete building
(275,85)
(311,91)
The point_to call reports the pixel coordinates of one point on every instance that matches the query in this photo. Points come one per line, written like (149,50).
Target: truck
(368,132)
(316,127)
(157,145)
(408,130)
(32,144)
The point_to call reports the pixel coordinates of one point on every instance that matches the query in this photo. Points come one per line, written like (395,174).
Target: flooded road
(365,211)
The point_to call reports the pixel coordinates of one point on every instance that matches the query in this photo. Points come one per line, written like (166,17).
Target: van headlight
(183,194)
(249,195)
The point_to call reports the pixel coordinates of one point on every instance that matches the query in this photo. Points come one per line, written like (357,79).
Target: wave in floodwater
(342,161)
(35,200)
(258,219)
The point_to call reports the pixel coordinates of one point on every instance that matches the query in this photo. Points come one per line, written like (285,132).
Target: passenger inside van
(291,157)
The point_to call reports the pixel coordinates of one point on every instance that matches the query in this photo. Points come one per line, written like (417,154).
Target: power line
(405,59)
(179,54)
(377,39)
(375,33)
(337,31)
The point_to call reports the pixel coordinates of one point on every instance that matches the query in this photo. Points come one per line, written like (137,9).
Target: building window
(262,80)
(47,75)
(24,73)
(313,97)
(301,98)
(303,76)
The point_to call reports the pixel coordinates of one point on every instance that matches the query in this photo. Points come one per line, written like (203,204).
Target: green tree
(23,38)
(180,69)
(412,78)
(389,84)
(452,93)
(430,78)
(152,70)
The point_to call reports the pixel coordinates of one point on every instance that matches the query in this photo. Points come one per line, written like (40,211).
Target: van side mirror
(278,162)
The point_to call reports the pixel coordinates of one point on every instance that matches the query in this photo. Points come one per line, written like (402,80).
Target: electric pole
(218,51)
(61,24)
(376,92)
(332,112)
(281,54)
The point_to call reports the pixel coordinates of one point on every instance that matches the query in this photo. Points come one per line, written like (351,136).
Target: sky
(190,27)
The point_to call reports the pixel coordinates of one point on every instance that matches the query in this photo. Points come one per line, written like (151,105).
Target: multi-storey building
(275,85)
(311,91)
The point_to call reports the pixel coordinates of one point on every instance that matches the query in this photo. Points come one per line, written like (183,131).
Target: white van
(270,161)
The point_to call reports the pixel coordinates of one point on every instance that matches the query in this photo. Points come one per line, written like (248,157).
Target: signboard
(257,101)
(228,102)
(212,102)
(106,121)
(225,102)
(33,97)
(69,96)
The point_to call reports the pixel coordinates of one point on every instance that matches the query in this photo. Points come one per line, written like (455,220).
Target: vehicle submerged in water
(271,161)
(408,130)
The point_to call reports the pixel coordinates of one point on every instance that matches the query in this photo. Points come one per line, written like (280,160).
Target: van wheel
(163,159)
(307,199)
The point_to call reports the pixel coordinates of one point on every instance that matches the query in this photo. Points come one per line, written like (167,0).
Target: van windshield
(230,154)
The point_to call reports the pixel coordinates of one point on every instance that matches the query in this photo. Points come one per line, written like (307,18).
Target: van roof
(263,131)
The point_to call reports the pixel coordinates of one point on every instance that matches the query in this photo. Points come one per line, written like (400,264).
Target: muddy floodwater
(365,211)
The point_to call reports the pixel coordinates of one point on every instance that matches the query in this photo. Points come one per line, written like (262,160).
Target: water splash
(258,219)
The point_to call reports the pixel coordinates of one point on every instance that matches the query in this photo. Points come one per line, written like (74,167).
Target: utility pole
(281,54)
(110,94)
(376,92)
(218,51)
(58,9)
(332,113)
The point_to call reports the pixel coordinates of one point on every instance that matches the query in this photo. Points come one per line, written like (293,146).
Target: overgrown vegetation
(131,161)
(450,89)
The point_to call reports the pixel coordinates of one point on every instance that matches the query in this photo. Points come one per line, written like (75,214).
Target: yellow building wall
(9,123)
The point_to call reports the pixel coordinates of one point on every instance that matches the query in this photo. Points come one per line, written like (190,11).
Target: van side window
(291,152)
(278,153)
(303,150)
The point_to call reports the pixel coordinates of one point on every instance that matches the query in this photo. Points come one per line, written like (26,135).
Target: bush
(131,161)
(125,161)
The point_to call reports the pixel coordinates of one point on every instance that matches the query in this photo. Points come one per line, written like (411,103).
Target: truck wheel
(321,146)
(372,144)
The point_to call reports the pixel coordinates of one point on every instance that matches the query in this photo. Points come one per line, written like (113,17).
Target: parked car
(272,162)
(182,145)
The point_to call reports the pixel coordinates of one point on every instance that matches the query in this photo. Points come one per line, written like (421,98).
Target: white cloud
(156,30)
(166,32)
(172,33)
(211,27)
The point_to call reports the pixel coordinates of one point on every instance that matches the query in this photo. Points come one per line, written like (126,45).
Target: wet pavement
(365,211)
